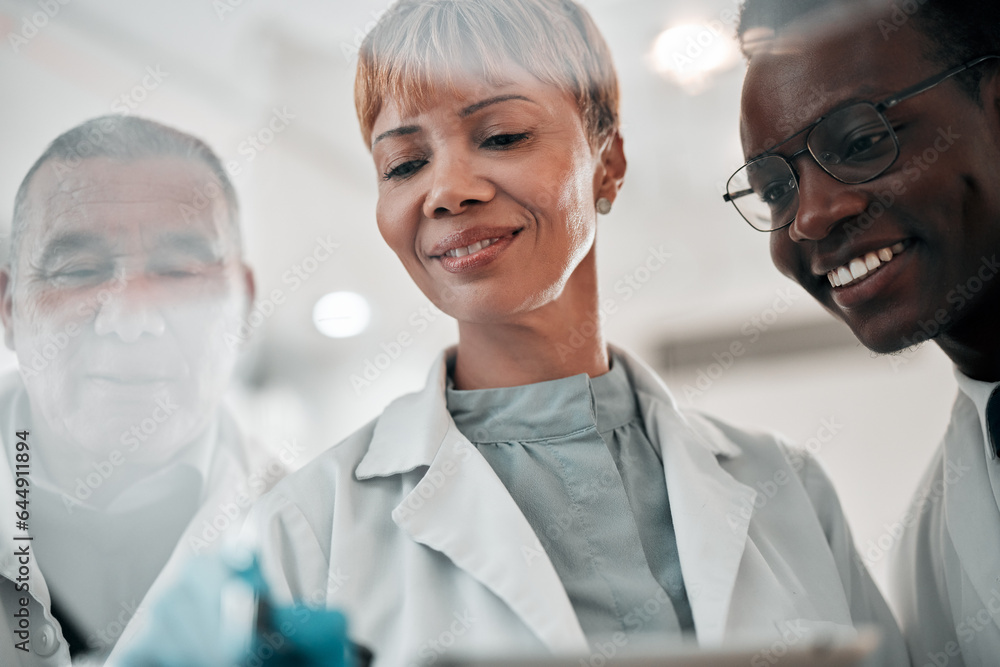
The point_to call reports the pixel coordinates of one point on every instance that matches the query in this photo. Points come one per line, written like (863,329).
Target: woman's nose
(457,182)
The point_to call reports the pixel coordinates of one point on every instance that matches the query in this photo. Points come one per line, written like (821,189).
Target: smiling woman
(537,498)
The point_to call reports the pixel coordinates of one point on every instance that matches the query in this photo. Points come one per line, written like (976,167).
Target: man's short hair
(123,138)
(418,43)
(956,30)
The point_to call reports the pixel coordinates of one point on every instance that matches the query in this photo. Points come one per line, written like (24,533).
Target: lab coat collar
(986,397)
(415,419)
(385,456)
(968,489)
(707,503)
(653,392)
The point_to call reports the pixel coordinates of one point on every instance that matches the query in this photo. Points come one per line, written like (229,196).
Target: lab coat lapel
(460,508)
(967,496)
(708,506)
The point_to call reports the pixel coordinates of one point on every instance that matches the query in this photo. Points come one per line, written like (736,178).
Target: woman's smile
(472,249)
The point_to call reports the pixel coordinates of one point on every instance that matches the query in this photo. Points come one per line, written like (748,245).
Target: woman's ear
(611,172)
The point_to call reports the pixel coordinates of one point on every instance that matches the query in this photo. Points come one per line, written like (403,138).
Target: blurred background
(268,85)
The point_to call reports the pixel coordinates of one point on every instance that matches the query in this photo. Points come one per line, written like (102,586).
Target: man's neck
(974,344)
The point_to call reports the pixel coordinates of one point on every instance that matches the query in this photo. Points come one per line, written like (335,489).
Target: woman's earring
(604,206)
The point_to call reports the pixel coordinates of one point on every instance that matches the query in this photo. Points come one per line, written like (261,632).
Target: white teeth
(468,250)
(859,267)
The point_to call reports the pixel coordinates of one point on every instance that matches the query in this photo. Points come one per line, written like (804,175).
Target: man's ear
(611,173)
(7,307)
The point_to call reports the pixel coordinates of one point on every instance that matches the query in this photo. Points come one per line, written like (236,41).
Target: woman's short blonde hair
(418,45)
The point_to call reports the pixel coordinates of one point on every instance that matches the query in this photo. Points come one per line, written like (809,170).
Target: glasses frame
(880,109)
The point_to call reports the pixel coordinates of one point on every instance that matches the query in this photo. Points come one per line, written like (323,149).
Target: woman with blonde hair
(543,491)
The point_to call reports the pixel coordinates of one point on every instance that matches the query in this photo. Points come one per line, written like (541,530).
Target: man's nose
(128,310)
(824,202)
(456,183)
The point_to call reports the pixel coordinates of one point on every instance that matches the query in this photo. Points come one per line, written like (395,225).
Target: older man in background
(125,276)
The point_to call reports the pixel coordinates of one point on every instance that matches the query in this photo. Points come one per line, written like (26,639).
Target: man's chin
(141,441)
(889,340)
(153,451)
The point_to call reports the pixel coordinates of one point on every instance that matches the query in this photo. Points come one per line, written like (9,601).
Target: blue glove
(220,613)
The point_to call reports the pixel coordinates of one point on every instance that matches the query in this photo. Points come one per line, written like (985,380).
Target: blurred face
(125,284)
(488,197)
(932,221)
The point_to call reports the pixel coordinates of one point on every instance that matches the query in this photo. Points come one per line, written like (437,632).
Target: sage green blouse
(574,455)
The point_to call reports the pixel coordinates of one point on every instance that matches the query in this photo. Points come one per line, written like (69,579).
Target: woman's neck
(561,339)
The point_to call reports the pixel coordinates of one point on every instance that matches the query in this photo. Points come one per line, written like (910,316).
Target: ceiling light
(341,314)
(691,53)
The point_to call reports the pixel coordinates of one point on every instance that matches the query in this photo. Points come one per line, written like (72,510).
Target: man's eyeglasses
(854,144)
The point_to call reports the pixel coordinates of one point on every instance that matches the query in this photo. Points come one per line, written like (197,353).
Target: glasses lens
(765,193)
(855,144)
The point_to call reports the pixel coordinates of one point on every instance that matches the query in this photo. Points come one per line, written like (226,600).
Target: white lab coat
(946,569)
(227,481)
(406,528)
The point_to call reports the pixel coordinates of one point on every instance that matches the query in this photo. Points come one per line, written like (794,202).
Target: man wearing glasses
(886,208)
